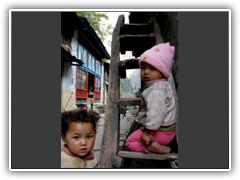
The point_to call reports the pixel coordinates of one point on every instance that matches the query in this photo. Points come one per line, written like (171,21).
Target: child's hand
(145,138)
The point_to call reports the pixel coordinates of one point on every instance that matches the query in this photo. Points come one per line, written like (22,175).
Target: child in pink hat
(157,109)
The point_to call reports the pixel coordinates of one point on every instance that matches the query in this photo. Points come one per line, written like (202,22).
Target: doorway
(90,87)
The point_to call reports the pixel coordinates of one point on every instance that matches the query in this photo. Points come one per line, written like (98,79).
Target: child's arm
(147,137)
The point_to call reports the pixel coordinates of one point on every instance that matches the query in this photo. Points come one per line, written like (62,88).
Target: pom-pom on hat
(159,56)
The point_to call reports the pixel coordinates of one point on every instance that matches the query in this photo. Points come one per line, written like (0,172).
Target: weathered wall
(68,100)
(68,87)
(168,22)
(69,76)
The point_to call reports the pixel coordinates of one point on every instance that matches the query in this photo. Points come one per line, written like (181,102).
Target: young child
(78,134)
(157,109)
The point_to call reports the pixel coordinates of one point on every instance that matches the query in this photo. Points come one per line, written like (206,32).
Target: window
(89,61)
(85,57)
(80,52)
(93,63)
(98,82)
(81,78)
(98,66)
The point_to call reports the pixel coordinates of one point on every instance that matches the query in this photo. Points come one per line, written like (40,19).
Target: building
(82,65)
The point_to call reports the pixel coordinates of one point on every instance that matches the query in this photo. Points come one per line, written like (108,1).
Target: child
(157,109)
(78,134)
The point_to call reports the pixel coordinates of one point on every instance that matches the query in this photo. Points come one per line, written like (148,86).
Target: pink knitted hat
(159,56)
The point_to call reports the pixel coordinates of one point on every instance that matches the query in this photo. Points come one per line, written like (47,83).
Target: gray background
(203,90)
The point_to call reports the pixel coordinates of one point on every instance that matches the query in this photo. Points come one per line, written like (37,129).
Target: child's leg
(160,141)
(164,137)
(155,147)
(133,144)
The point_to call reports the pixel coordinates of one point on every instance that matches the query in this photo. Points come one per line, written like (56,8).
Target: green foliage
(121,93)
(127,88)
(129,108)
(105,60)
(95,19)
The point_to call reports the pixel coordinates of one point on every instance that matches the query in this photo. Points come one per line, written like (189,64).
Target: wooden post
(118,162)
(110,139)
(156,28)
(159,39)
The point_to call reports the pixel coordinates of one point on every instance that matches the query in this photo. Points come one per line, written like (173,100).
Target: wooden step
(129,101)
(137,35)
(151,156)
(136,43)
(134,24)
(136,28)
(129,64)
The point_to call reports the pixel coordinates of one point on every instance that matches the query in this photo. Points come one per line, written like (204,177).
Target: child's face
(149,73)
(80,138)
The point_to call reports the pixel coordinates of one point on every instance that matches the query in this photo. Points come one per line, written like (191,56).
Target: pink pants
(162,137)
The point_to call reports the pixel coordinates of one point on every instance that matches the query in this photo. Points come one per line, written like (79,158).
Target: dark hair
(78,115)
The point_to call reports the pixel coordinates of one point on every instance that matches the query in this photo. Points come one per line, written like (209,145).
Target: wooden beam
(137,36)
(128,101)
(129,64)
(156,27)
(122,73)
(135,24)
(159,39)
(152,156)
(122,63)
(110,139)
(118,162)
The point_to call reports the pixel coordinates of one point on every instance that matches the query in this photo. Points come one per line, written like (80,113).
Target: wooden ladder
(128,37)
